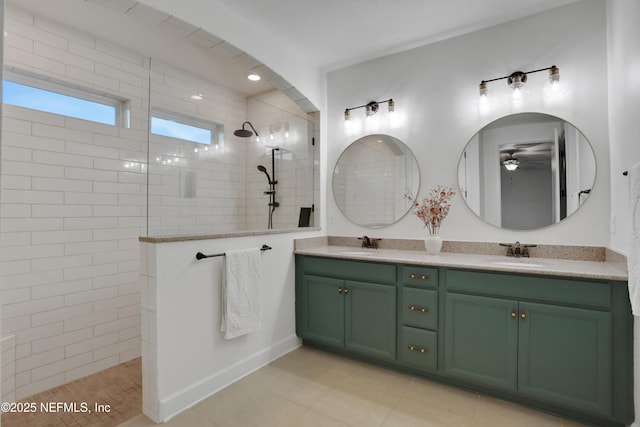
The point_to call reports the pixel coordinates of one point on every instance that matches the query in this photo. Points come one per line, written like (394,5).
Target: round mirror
(526,171)
(371,178)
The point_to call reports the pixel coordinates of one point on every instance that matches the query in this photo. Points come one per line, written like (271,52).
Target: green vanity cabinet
(323,310)
(481,343)
(356,316)
(550,340)
(370,319)
(560,344)
(418,317)
(558,354)
(565,356)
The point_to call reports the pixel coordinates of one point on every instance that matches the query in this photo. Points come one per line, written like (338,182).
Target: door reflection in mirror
(526,171)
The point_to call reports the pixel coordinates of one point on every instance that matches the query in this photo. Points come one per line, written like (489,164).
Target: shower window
(177,126)
(50,97)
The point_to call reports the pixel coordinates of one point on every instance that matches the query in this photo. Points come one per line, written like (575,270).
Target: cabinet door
(323,310)
(565,356)
(481,336)
(371,319)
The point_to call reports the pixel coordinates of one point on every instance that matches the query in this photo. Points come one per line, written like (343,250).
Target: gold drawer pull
(523,315)
(513,314)
(346,291)
(420,309)
(419,276)
(418,349)
(340,290)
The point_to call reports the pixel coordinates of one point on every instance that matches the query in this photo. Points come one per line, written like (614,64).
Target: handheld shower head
(245,133)
(263,169)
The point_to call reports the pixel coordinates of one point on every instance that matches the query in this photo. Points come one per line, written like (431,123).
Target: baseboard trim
(189,396)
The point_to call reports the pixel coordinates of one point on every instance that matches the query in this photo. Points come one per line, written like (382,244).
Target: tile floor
(311,388)
(120,387)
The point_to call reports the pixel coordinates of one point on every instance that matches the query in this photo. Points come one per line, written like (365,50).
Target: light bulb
(483,89)
(554,75)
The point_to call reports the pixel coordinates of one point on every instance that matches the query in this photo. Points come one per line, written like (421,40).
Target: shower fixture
(244,133)
(263,169)
(271,192)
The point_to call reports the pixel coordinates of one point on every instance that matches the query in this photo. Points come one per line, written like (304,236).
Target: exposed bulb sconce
(517,79)
(371,108)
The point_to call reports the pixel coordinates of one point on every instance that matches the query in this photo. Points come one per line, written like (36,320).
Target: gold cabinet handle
(420,309)
(417,349)
(419,276)
(346,291)
(513,314)
(339,290)
(523,315)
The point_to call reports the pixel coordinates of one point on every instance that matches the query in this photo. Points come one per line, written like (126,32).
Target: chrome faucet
(368,242)
(517,249)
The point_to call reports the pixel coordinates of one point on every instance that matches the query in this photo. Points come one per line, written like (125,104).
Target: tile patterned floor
(120,387)
(309,388)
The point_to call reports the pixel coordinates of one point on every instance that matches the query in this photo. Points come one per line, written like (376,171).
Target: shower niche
(226,162)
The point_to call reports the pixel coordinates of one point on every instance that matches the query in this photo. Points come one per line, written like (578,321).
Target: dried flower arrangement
(433,209)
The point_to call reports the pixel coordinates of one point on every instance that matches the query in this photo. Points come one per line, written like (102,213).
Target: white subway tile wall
(291,130)
(74,195)
(229,190)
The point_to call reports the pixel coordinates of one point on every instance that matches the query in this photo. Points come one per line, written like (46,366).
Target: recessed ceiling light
(253,77)
(197,96)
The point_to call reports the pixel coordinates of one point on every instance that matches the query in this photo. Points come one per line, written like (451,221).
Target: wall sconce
(371,108)
(517,79)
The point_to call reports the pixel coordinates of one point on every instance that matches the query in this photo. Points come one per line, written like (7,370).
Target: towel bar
(200,255)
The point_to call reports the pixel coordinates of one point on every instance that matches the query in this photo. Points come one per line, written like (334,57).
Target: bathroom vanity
(553,334)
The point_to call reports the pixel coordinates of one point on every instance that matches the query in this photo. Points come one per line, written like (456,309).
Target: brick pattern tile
(119,387)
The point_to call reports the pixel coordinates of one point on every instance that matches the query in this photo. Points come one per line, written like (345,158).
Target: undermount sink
(520,263)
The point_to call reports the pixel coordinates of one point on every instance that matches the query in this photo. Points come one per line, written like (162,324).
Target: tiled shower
(76,195)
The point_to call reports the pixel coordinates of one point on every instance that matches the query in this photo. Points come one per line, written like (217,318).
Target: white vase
(433,243)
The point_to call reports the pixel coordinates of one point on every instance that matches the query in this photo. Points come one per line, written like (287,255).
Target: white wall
(435,89)
(624,108)
(214,16)
(185,358)
(624,134)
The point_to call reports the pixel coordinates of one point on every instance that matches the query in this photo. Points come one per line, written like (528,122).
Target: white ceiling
(336,33)
(326,34)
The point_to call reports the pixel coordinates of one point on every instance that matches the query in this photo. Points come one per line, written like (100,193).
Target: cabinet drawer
(360,271)
(555,290)
(419,348)
(420,308)
(420,276)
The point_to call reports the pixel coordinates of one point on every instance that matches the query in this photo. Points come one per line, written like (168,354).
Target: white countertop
(541,266)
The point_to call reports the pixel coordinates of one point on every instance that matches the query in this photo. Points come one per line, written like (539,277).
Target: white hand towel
(241,293)
(633,258)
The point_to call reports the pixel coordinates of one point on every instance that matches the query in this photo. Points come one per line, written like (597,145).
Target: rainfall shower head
(263,169)
(244,133)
